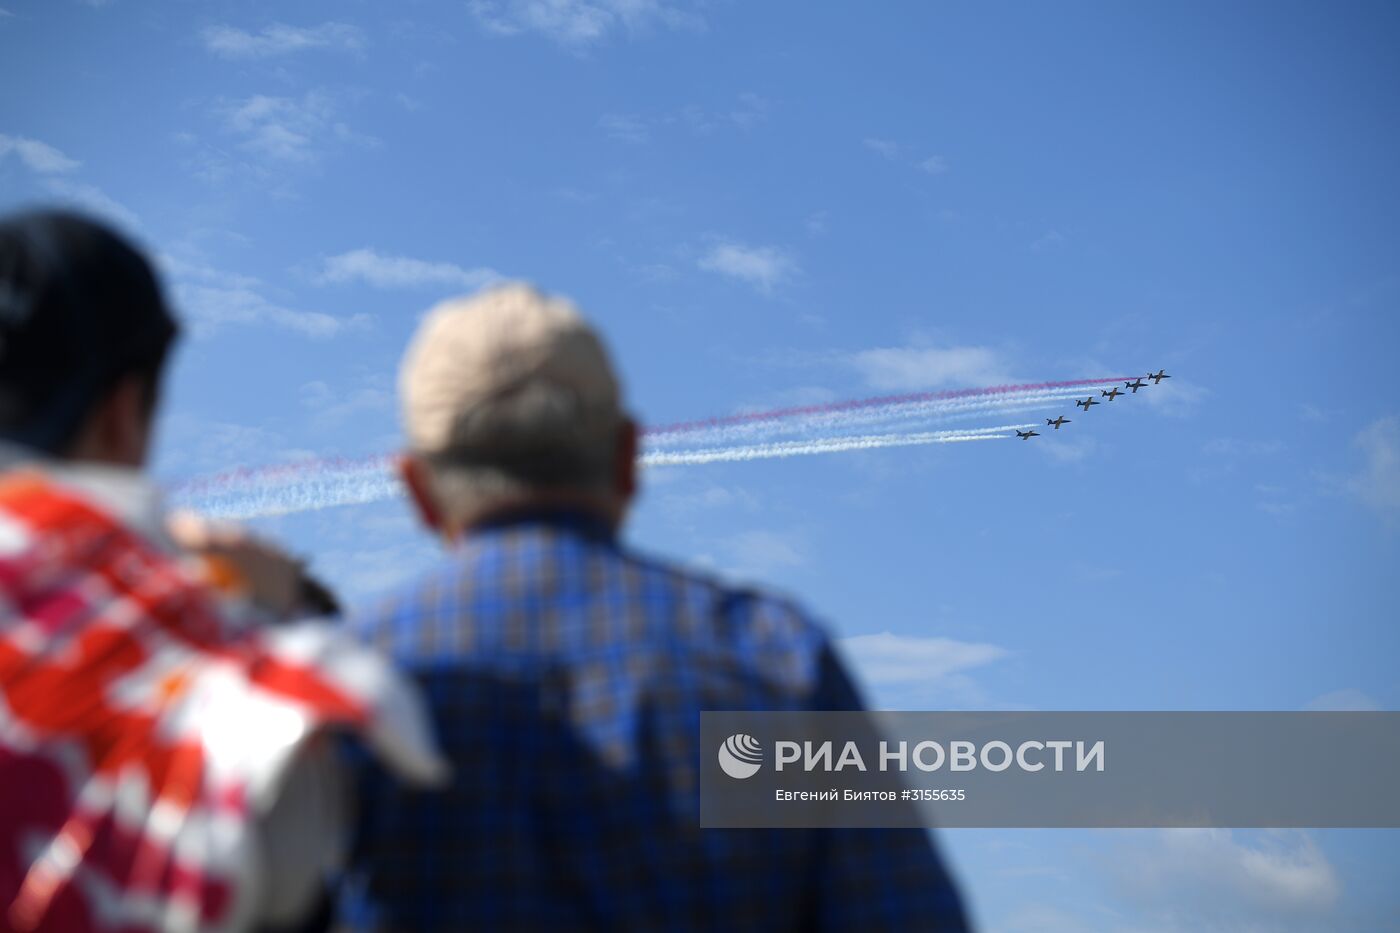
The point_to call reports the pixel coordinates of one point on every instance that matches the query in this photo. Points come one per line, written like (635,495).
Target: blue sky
(766,204)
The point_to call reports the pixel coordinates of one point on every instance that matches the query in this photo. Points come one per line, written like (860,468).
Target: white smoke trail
(903,422)
(372,481)
(826,445)
(914,412)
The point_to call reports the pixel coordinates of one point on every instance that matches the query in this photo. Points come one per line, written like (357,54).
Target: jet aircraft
(1111,395)
(1158,376)
(1139,384)
(1086,403)
(1057,421)
(1026,435)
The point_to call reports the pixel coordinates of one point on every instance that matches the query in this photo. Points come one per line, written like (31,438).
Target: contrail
(372,481)
(827,445)
(920,412)
(774,433)
(883,400)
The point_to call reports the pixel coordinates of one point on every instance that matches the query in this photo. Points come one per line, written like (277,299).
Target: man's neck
(593,508)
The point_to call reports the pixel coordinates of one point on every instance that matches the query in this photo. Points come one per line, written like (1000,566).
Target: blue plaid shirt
(566,676)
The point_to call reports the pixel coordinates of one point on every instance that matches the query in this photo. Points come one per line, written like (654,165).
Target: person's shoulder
(394,619)
(744,613)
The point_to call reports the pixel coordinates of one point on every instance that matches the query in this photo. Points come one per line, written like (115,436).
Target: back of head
(509,394)
(79,309)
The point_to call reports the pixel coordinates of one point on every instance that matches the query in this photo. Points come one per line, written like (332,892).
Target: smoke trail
(372,481)
(920,412)
(827,445)
(881,401)
(810,429)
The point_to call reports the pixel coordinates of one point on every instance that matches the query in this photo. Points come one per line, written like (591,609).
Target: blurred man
(162,755)
(567,675)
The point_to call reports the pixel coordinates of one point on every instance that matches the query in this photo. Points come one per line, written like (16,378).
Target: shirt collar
(573,518)
(122,492)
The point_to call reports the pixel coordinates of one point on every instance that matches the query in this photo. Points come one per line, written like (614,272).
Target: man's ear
(415,479)
(625,462)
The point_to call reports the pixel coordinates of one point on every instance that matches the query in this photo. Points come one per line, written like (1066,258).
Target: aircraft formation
(1090,402)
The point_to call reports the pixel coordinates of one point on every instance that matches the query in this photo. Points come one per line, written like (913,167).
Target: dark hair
(80,309)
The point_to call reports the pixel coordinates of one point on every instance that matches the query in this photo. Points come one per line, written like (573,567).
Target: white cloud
(1068,449)
(934,165)
(751,110)
(892,151)
(5,14)
(1349,700)
(371,397)
(887,659)
(38,157)
(1378,485)
(53,167)
(760,266)
(1175,398)
(748,111)
(94,200)
(626,127)
(758,553)
(381,271)
(291,130)
(280,39)
(190,444)
(887,148)
(913,368)
(1208,879)
(579,23)
(213,300)
(212,308)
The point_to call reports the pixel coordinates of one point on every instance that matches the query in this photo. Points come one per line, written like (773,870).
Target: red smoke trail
(776,414)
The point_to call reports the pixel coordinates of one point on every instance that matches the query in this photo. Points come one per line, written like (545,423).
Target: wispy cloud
(920,672)
(55,169)
(384,271)
(37,156)
(280,39)
(214,300)
(1348,700)
(754,554)
(1212,879)
(748,111)
(886,148)
(1378,484)
(369,398)
(934,165)
(913,368)
(1177,398)
(891,659)
(580,23)
(763,267)
(625,127)
(94,200)
(893,151)
(288,130)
